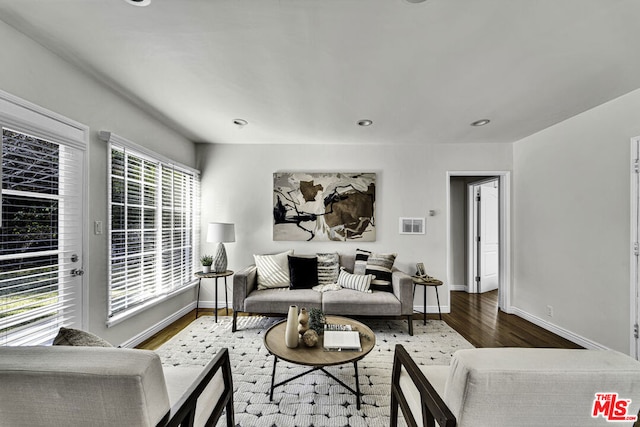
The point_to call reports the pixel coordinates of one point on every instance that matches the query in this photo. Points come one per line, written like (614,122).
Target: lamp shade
(221,232)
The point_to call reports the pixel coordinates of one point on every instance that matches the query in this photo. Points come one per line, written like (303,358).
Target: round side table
(200,275)
(426,282)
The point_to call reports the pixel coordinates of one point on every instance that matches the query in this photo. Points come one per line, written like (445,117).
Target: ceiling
(305,71)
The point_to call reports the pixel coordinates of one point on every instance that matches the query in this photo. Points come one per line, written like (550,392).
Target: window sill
(120,317)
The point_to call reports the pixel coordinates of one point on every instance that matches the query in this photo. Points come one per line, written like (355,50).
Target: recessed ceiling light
(365,122)
(240,122)
(481,122)
(139,2)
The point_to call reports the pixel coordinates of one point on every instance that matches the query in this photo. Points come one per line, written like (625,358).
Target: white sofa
(514,387)
(100,386)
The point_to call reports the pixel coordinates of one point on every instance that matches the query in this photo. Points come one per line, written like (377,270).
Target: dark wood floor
(475,316)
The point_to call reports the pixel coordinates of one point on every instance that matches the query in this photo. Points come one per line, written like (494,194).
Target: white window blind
(40,238)
(153,228)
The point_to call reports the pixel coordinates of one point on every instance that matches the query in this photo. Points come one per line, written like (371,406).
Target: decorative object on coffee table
(316,320)
(220,233)
(206,261)
(310,338)
(291,336)
(303,321)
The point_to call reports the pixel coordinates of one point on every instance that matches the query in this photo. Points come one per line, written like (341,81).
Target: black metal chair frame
(433,407)
(184,411)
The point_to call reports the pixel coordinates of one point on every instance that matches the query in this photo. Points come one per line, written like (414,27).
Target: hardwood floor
(475,316)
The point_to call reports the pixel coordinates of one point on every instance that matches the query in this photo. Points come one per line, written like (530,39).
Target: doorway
(461,256)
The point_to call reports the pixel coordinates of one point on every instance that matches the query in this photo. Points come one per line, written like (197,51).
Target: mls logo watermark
(612,408)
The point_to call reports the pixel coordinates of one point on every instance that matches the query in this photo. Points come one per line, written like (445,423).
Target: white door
(484,254)
(489,242)
(41,238)
(635,251)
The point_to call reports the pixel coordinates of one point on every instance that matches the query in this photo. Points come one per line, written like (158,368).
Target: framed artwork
(412,226)
(420,269)
(324,206)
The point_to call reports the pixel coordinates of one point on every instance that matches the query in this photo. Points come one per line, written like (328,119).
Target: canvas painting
(324,206)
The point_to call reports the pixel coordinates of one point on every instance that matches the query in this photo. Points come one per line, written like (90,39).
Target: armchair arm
(183,411)
(432,406)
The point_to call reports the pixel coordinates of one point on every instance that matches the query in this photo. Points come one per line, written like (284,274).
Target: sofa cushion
(273,270)
(328,268)
(355,303)
(303,272)
(360,266)
(76,337)
(357,282)
(278,300)
(380,265)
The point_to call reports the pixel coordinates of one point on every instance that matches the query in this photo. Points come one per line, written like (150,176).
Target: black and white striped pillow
(381,265)
(357,282)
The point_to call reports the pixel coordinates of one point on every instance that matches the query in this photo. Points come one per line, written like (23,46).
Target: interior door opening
(463,256)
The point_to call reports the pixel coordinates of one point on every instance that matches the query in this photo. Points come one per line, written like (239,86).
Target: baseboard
(564,333)
(212,304)
(144,335)
(457,288)
(431,309)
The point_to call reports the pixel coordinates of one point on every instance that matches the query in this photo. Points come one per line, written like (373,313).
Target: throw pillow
(303,272)
(360,265)
(357,282)
(76,337)
(328,268)
(273,270)
(380,266)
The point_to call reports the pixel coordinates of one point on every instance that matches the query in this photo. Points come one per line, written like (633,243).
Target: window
(153,228)
(41,238)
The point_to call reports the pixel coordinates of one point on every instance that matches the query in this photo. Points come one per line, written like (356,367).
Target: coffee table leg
(273,376)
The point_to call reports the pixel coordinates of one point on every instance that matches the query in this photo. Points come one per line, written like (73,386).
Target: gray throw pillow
(76,337)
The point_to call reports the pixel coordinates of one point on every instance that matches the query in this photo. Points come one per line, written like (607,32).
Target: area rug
(314,399)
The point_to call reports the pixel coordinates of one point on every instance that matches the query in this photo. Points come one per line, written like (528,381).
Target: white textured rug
(314,399)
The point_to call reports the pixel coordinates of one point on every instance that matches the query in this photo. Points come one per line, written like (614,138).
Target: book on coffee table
(336,340)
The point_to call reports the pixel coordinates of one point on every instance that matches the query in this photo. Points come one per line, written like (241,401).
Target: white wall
(237,186)
(571,236)
(33,73)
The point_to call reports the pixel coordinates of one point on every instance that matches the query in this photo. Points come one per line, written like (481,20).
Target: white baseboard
(158,327)
(212,304)
(457,288)
(564,333)
(431,309)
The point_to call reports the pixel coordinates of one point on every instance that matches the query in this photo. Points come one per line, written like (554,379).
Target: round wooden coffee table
(317,357)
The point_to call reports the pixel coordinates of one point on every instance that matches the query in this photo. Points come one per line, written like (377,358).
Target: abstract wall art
(324,206)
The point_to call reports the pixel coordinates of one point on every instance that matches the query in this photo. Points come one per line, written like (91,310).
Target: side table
(427,281)
(200,275)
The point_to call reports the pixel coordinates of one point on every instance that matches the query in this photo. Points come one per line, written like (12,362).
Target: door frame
(634,249)
(504,180)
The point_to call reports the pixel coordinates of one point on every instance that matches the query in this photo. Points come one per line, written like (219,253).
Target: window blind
(40,238)
(153,229)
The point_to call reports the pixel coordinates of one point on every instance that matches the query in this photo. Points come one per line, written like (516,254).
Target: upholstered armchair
(100,386)
(516,387)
